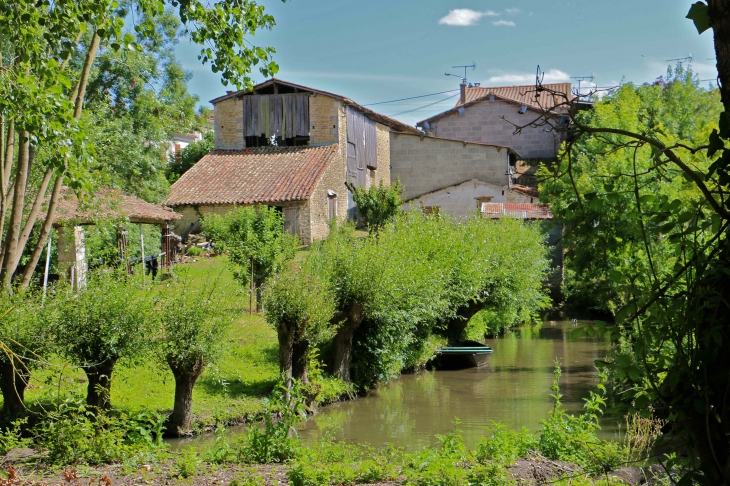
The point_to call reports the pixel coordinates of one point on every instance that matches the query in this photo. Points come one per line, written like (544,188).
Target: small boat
(466,354)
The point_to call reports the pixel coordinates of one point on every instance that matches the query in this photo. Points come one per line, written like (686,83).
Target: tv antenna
(473,66)
(583,78)
(681,60)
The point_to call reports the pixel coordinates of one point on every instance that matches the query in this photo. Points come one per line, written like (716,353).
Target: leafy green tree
(672,334)
(300,306)
(48,54)
(26,342)
(378,204)
(603,231)
(104,323)
(182,161)
(255,241)
(193,324)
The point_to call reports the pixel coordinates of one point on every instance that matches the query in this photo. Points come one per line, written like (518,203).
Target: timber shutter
(361,132)
(283,115)
(291,220)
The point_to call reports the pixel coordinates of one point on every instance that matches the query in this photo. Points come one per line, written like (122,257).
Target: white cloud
(513,11)
(551,76)
(507,23)
(463,17)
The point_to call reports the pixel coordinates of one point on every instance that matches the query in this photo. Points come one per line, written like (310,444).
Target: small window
(331,205)
(431,210)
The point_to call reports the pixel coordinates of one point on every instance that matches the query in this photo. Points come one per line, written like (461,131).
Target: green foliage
(75,434)
(505,446)
(188,463)
(194,251)
(277,441)
(11,436)
(252,235)
(378,204)
(106,321)
(193,323)
(180,162)
(608,219)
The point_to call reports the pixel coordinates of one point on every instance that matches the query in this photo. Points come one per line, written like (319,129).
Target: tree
(378,204)
(95,328)
(47,54)
(193,324)
(183,160)
(672,334)
(255,241)
(26,344)
(300,306)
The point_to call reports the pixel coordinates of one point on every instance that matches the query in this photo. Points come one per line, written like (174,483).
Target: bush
(194,251)
(378,204)
(77,434)
(505,446)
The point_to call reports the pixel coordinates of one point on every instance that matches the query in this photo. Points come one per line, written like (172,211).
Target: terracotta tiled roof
(521,95)
(375,116)
(253,175)
(109,203)
(515,210)
(524,94)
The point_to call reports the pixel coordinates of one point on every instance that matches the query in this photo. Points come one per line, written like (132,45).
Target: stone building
(451,175)
(292,147)
(490,115)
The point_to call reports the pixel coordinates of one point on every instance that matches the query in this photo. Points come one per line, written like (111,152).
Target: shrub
(188,463)
(77,434)
(378,204)
(505,446)
(194,251)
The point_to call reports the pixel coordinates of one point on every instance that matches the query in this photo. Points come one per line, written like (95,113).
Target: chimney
(462,100)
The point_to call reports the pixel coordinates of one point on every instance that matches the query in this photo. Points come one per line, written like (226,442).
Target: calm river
(514,389)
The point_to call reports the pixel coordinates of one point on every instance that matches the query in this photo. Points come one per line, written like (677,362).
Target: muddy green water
(514,389)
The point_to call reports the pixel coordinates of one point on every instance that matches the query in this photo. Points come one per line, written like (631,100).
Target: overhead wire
(411,98)
(425,106)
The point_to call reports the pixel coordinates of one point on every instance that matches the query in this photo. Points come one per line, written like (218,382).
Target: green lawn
(231,389)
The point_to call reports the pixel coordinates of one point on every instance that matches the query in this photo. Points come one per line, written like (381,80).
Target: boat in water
(466,354)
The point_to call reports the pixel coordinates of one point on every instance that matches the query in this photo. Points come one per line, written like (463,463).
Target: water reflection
(514,389)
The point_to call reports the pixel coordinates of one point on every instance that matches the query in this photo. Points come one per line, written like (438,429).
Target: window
(431,210)
(331,205)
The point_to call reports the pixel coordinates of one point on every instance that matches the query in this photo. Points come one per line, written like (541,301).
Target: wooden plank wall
(287,115)
(361,132)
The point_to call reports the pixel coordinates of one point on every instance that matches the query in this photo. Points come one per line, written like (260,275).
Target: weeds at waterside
(565,451)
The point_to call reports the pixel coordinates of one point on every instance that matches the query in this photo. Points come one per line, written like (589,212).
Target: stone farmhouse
(291,147)
(490,114)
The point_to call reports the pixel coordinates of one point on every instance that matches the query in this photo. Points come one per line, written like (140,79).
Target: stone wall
(382,137)
(323,115)
(482,122)
(426,164)
(464,199)
(228,124)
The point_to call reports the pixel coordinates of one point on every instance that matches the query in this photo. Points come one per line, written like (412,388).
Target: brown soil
(539,470)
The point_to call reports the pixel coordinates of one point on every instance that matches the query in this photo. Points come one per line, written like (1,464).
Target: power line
(411,98)
(425,106)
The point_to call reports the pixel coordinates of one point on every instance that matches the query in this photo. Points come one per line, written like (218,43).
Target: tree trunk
(180,421)
(14,378)
(719,12)
(98,392)
(259,284)
(457,324)
(286,352)
(16,215)
(343,343)
(299,361)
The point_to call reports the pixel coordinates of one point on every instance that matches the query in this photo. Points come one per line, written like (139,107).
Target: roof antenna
(473,66)
(681,60)
(583,78)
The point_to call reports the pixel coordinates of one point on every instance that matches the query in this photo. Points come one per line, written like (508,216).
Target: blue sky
(379,50)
